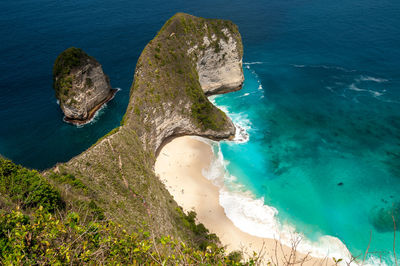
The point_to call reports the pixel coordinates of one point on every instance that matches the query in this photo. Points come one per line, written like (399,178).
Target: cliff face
(220,63)
(80,84)
(189,57)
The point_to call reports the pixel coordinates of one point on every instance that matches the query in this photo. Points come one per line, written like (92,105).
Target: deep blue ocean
(321,100)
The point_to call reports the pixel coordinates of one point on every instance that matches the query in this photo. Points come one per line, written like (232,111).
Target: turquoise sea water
(320,101)
(325,153)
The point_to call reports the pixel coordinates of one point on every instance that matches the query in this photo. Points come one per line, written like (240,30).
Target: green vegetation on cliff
(27,188)
(166,72)
(65,62)
(39,228)
(68,59)
(204,112)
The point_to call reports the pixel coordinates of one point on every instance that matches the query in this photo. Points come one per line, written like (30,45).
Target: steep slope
(167,99)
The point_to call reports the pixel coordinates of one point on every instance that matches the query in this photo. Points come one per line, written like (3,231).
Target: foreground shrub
(27,188)
(45,239)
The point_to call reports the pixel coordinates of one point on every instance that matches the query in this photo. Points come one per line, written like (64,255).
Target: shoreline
(180,165)
(92,112)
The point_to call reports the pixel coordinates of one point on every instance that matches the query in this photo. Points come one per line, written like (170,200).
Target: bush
(46,240)
(68,179)
(202,110)
(65,62)
(68,59)
(236,256)
(27,188)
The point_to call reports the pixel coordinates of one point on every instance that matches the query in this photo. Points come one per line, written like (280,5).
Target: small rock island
(80,85)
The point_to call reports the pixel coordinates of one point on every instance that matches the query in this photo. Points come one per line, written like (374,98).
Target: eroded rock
(80,85)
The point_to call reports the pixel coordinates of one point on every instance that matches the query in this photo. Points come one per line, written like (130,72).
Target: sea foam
(369,78)
(253,63)
(240,120)
(374,93)
(325,67)
(253,216)
(249,213)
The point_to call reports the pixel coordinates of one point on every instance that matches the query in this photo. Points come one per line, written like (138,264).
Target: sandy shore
(179,166)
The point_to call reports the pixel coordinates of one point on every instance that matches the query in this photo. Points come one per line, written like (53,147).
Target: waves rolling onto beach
(313,162)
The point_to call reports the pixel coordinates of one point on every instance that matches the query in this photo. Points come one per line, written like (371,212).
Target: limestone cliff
(190,56)
(80,84)
(220,63)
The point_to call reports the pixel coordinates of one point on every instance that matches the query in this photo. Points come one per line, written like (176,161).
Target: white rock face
(220,65)
(220,71)
(90,88)
(178,125)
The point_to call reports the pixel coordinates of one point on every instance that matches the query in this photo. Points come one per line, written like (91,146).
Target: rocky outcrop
(80,84)
(190,58)
(220,64)
(180,125)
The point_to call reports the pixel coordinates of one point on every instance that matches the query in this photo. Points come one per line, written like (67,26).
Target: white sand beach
(179,166)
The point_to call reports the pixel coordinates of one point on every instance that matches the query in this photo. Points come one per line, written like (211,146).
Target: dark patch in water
(340,184)
(281,170)
(392,162)
(382,217)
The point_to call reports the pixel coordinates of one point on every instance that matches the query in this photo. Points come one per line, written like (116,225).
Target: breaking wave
(240,120)
(253,216)
(324,67)
(253,63)
(368,78)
